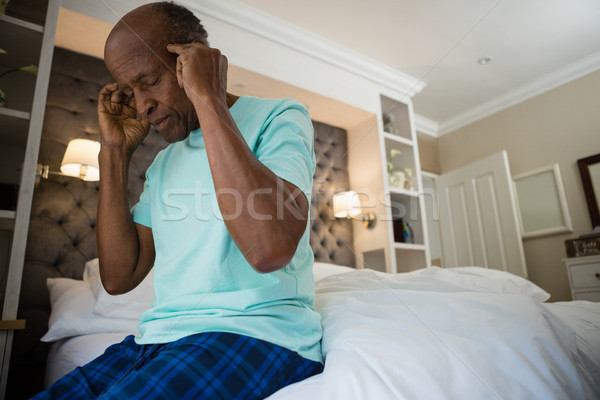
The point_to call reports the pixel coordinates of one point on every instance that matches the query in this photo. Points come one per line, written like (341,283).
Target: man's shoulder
(270,107)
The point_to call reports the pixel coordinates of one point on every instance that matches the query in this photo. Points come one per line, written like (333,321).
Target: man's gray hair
(185,27)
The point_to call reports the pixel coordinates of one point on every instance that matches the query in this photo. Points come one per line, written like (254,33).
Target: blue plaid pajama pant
(211,365)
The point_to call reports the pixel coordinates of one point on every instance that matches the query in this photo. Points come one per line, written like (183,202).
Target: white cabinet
(21,121)
(584,277)
(406,224)
(399,242)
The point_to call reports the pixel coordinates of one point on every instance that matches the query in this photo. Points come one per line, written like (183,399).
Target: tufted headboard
(62,233)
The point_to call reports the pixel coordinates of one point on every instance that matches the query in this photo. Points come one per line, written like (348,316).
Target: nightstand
(584,277)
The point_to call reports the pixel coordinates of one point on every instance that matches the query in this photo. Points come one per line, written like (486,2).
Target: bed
(432,333)
(468,333)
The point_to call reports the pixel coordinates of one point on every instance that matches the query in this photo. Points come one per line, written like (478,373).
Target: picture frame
(542,203)
(589,170)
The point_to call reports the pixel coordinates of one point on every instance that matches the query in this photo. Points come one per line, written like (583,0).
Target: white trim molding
(426,125)
(276,30)
(542,211)
(545,83)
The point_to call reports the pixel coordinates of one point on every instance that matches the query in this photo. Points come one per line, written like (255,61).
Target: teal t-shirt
(202,281)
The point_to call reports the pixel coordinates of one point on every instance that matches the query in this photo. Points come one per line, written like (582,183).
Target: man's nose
(143,103)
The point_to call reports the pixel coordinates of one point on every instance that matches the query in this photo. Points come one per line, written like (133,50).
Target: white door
(478,217)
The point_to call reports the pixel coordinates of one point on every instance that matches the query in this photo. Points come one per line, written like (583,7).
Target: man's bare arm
(269,242)
(125,249)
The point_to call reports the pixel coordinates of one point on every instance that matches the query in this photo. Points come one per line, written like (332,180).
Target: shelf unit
(21,121)
(406,209)
(398,195)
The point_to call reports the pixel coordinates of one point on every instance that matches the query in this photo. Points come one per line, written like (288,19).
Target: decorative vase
(397,179)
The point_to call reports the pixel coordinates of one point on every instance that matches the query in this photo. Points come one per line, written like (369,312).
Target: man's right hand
(118,120)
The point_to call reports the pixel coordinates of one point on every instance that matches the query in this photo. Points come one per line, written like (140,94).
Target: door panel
(489,223)
(458,223)
(478,217)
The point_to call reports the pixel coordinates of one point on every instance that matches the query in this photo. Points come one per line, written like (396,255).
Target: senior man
(222,220)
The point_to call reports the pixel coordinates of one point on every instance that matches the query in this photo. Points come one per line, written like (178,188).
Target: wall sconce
(80,160)
(347,205)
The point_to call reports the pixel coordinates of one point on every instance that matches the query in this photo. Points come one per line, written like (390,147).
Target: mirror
(589,169)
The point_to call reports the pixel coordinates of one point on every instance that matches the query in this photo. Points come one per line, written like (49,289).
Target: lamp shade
(346,204)
(81,159)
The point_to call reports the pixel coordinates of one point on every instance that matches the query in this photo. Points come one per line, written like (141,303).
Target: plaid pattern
(204,366)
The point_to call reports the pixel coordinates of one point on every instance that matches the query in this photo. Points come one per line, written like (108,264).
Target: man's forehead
(130,67)
(134,40)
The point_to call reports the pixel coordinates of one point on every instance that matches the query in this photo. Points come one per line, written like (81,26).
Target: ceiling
(534,45)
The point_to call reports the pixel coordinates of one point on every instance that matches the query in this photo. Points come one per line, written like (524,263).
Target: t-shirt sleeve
(141,210)
(286,147)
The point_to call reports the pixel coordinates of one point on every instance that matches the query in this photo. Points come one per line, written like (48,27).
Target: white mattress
(424,336)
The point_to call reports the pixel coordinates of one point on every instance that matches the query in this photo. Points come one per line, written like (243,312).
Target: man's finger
(178,48)
(116,96)
(107,91)
(179,73)
(131,102)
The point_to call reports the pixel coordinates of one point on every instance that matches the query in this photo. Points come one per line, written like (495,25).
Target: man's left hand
(201,71)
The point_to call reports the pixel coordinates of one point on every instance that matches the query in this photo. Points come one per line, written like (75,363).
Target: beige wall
(429,153)
(559,126)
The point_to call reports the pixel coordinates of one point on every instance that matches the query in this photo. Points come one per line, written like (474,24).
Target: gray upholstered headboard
(62,233)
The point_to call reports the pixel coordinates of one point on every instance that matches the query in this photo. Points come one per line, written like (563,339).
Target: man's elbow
(114,288)
(113,285)
(111,289)
(273,257)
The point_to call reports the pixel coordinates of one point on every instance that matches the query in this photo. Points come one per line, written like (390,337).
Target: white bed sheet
(430,334)
(420,336)
(67,354)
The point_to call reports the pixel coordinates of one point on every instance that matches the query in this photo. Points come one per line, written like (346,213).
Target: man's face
(147,72)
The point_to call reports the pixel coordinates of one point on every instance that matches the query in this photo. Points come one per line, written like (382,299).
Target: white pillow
(72,303)
(129,305)
(322,270)
(483,280)
(501,282)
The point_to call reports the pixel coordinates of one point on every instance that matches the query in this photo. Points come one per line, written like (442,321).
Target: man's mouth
(160,122)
